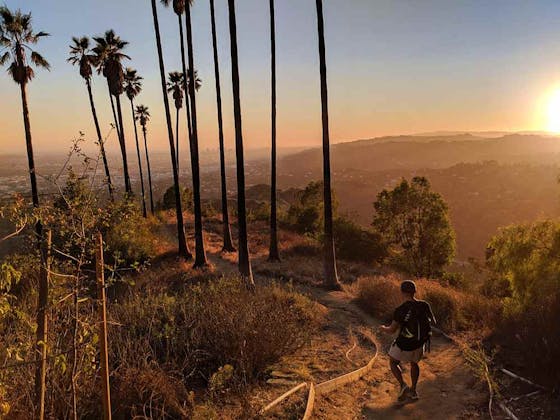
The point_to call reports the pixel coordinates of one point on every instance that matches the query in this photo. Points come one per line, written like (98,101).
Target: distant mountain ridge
(435,152)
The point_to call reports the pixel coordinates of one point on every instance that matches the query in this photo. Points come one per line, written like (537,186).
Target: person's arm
(390,329)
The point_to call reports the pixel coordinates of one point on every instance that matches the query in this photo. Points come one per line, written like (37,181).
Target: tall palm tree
(175,86)
(244,260)
(16,40)
(109,50)
(133,87)
(183,248)
(179,9)
(143,116)
(80,54)
(273,254)
(331,276)
(200,254)
(228,242)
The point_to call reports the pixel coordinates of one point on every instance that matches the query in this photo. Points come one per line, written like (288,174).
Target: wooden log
(283,397)
(310,403)
(522,379)
(104,357)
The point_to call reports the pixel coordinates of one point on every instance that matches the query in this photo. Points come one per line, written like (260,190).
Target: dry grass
(453,309)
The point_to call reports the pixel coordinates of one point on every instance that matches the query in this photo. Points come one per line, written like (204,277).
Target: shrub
(128,236)
(212,325)
(354,243)
(379,296)
(454,310)
(168,200)
(445,308)
(305,215)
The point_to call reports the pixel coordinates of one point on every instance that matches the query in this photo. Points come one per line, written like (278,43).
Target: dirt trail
(447,388)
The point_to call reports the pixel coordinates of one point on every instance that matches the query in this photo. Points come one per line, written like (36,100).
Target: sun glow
(553,111)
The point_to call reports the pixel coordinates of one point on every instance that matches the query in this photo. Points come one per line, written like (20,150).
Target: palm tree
(273,254)
(331,276)
(228,242)
(244,260)
(143,116)
(179,9)
(80,54)
(133,87)
(16,40)
(200,254)
(183,248)
(109,50)
(175,85)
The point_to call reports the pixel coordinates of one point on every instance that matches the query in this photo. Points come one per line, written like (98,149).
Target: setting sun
(553,111)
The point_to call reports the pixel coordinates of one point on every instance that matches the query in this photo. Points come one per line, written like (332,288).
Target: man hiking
(412,319)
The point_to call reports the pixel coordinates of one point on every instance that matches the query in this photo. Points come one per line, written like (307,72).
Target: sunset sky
(394,67)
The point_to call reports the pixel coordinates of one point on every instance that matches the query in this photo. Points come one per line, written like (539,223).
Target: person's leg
(414,375)
(397,372)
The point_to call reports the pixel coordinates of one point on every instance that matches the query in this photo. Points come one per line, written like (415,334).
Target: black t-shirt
(407,315)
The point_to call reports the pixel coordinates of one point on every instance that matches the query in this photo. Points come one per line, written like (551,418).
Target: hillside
(487,182)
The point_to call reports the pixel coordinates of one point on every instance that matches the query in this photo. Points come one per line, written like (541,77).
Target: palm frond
(39,60)
(4,58)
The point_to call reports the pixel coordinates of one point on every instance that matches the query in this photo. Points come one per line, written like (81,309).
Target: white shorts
(406,356)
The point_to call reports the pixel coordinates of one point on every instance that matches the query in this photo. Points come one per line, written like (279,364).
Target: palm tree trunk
(42,320)
(183,63)
(149,170)
(127,184)
(115,119)
(244,260)
(331,276)
(144,212)
(228,242)
(200,254)
(177,138)
(100,140)
(273,254)
(183,248)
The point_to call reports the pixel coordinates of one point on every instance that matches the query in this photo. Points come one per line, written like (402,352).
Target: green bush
(305,215)
(128,236)
(353,243)
(415,222)
(445,307)
(168,200)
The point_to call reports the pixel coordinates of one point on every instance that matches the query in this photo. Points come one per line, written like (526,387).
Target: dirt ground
(447,387)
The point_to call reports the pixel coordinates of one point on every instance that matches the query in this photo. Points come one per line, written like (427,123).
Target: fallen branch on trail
(522,379)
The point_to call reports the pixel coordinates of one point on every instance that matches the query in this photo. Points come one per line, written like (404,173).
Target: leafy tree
(415,221)
(527,257)
(306,215)
(354,243)
(81,55)
(168,200)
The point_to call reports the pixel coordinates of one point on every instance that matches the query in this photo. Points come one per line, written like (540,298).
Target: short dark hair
(408,286)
